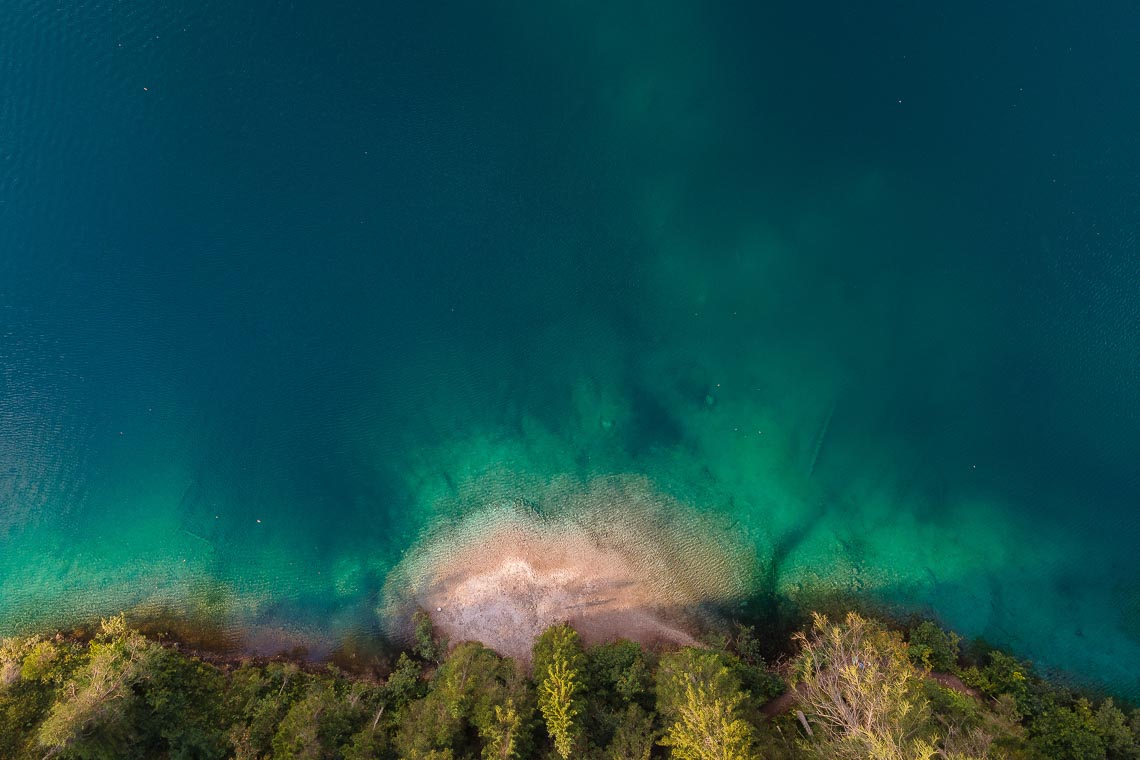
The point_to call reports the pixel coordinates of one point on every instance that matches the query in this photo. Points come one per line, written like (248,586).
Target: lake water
(281,285)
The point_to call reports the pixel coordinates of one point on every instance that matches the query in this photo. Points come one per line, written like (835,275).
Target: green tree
(1120,742)
(616,676)
(471,679)
(371,739)
(1067,733)
(635,735)
(505,718)
(257,699)
(711,669)
(426,725)
(470,695)
(48,661)
(315,726)
(181,701)
(403,684)
(557,642)
(746,645)
(969,727)
(743,652)
(369,743)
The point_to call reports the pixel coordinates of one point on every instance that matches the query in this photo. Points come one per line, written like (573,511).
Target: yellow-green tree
(556,700)
(31,671)
(94,703)
(862,693)
(709,728)
(703,703)
(558,668)
(501,734)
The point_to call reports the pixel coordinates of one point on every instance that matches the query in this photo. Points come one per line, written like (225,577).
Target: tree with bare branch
(861,692)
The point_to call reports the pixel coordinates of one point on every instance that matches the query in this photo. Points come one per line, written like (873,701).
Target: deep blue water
(867,281)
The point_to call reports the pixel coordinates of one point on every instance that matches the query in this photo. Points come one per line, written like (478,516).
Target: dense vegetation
(853,689)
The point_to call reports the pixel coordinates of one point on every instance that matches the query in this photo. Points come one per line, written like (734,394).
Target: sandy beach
(627,568)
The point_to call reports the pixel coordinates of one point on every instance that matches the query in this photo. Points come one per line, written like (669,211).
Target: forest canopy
(848,688)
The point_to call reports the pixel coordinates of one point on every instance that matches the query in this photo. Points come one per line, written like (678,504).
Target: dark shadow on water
(653,424)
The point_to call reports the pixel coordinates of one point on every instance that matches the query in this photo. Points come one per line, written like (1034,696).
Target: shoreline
(372,654)
(974,695)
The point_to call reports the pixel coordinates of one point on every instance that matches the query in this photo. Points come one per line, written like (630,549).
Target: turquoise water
(281,287)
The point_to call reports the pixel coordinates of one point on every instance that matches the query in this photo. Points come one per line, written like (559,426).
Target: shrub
(932,648)
(403,684)
(1003,674)
(427,646)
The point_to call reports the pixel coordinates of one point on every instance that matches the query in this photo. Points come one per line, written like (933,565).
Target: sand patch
(612,557)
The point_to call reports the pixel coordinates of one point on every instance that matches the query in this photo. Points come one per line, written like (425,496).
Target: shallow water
(280,288)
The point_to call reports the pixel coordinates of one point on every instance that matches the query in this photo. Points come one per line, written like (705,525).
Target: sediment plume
(614,557)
